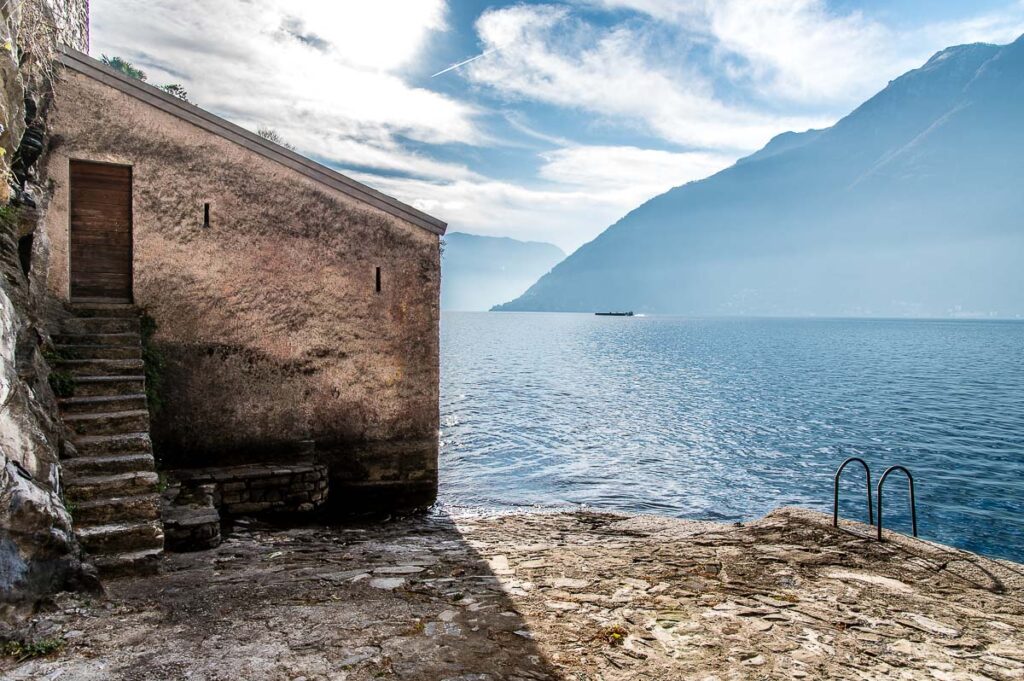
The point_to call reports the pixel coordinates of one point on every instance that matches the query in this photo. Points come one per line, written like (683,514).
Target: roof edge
(154,96)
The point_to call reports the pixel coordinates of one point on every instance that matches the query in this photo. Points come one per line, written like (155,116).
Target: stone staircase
(109,473)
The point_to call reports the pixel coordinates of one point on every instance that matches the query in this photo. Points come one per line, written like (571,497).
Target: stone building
(200,300)
(294,306)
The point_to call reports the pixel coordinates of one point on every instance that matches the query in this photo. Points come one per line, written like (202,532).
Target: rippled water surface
(728,419)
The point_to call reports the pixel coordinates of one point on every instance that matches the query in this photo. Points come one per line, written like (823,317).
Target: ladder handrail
(835,491)
(913,506)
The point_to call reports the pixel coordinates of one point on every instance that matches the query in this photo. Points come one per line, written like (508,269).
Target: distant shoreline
(674,315)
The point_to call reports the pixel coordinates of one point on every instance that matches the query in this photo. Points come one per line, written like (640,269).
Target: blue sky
(568,115)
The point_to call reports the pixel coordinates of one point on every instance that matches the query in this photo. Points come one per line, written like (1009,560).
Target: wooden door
(101,231)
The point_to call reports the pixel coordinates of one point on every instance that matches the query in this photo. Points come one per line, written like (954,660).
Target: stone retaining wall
(191,520)
(261,488)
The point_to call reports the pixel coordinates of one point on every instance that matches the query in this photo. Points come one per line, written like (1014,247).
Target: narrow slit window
(206,215)
(378,280)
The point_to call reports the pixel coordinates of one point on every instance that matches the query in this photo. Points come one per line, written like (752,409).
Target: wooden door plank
(100,236)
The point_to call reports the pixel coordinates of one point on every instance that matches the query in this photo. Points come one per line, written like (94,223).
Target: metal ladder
(878,494)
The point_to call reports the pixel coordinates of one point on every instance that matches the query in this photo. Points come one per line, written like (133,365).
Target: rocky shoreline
(580,596)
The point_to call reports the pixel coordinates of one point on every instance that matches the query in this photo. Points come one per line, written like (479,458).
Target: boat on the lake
(614,314)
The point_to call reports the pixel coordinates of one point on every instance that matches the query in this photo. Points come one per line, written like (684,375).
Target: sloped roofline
(154,96)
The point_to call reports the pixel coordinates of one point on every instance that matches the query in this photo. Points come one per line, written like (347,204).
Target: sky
(541,121)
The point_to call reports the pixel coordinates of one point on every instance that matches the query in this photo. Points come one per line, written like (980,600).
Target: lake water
(727,419)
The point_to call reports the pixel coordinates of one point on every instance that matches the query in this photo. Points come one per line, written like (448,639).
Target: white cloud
(381,35)
(588,189)
(565,217)
(798,50)
(646,171)
(385,154)
(326,75)
(543,53)
(805,52)
(794,49)
(997,26)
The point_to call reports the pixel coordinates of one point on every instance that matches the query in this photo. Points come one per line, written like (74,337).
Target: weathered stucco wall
(269,320)
(38,553)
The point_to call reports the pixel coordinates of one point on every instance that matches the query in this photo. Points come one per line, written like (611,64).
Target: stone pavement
(579,596)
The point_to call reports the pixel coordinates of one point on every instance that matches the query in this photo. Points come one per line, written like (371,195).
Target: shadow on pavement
(408,599)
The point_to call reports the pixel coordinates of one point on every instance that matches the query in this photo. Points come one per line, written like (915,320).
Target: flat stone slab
(388,583)
(187,516)
(580,597)
(398,570)
(228,473)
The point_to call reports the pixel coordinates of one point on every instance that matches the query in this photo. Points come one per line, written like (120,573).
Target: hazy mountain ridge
(478,272)
(910,205)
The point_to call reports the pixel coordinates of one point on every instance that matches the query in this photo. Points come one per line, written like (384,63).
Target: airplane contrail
(462,63)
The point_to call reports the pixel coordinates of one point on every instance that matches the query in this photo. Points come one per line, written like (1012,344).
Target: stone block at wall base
(379,498)
(380,477)
(191,520)
(279,488)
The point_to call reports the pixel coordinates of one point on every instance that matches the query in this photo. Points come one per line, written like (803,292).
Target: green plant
(9,216)
(21,651)
(274,136)
(614,635)
(71,507)
(62,383)
(53,355)
(178,90)
(125,67)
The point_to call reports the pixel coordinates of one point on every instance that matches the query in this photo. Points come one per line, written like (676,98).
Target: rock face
(269,320)
(37,549)
(38,553)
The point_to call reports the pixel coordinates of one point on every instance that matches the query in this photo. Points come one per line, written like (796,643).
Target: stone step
(120,537)
(190,527)
(117,509)
(109,475)
(100,351)
(97,386)
(92,487)
(104,310)
(92,325)
(107,445)
(102,367)
(102,403)
(127,338)
(108,423)
(110,464)
(131,563)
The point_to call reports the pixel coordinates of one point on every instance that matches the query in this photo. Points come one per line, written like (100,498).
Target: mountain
(478,272)
(912,205)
